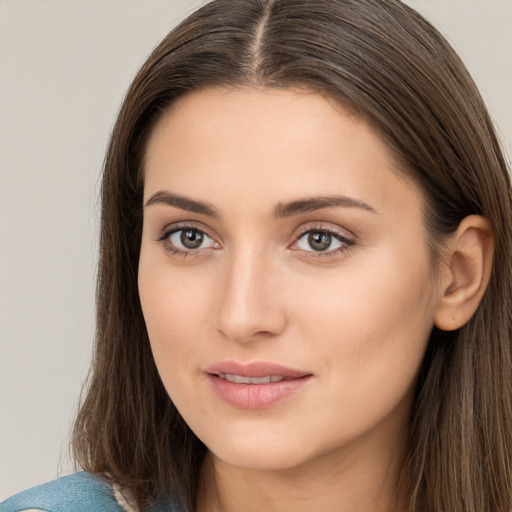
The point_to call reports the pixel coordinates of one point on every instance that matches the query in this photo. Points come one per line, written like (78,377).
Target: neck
(359,478)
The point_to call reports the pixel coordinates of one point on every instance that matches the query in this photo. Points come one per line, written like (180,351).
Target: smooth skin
(344,290)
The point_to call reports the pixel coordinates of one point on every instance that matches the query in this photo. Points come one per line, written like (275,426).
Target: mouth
(243,379)
(234,371)
(256,385)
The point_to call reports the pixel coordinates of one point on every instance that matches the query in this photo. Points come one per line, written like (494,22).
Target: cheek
(371,324)
(175,313)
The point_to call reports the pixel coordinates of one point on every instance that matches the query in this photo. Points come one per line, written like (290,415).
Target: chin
(266,449)
(254,458)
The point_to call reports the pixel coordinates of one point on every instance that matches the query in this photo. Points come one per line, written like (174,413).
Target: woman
(304,297)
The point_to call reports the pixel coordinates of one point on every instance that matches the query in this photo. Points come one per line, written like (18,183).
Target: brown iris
(191,238)
(319,240)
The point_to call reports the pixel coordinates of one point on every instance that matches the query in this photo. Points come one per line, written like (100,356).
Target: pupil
(191,239)
(319,241)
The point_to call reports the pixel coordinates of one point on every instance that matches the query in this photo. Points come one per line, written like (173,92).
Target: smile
(257,385)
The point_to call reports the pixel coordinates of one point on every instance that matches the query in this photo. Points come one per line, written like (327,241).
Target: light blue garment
(81,492)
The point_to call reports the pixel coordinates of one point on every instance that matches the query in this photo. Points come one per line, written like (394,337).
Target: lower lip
(257,396)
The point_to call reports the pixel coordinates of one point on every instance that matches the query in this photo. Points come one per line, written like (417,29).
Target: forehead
(268,143)
(229,113)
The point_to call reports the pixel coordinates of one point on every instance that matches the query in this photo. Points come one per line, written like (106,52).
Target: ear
(466,272)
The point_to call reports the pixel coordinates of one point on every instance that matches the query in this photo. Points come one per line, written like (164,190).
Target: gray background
(64,68)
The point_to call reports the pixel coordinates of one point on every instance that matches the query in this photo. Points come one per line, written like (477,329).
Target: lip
(256,396)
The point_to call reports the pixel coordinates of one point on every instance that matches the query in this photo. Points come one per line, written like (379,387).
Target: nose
(249,308)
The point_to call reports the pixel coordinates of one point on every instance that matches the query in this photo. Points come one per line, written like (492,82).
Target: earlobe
(466,275)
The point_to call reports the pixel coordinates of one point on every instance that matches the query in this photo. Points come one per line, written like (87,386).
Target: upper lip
(255,369)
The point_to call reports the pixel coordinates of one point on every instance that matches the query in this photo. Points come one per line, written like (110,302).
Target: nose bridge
(248,304)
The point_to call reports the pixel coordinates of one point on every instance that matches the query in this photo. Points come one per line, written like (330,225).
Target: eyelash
(346,242)
(171,248)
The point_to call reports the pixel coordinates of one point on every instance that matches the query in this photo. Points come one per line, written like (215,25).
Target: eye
(322,241)
(185,240)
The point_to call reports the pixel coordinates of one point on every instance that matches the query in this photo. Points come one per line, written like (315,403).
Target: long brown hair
(386,63)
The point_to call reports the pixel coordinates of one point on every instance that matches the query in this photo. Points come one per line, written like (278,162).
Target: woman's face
(284,276)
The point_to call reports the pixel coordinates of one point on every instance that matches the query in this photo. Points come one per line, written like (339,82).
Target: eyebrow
(282,210)
(311,204)
(184,203)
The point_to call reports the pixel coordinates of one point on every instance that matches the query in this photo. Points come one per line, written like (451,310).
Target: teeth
(242,379)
